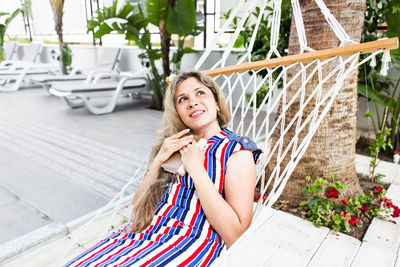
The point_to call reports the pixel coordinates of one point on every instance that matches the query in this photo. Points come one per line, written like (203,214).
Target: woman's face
(196,105)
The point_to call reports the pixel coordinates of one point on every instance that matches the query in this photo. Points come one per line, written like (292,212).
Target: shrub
(326,206)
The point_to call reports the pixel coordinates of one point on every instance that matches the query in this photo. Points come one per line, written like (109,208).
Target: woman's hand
(192,158)
(171,145)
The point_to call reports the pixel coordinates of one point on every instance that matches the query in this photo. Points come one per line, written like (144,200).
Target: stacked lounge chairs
(13,73)
(81,94)
(82,86)
(106,63)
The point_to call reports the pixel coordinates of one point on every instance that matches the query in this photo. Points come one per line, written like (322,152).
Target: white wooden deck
(283,240)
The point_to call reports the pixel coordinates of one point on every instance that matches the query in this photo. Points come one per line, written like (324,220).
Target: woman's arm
(231,216)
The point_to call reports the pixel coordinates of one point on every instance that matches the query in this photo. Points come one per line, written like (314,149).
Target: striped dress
(179,234)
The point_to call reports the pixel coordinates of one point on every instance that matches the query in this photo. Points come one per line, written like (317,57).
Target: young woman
(185,220)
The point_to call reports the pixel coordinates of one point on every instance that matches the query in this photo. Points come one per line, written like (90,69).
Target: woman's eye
(200,92)
(181,99)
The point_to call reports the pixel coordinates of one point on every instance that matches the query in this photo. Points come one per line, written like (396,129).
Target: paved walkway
(59,164)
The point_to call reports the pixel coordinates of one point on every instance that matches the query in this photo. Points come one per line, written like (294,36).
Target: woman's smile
(197,113)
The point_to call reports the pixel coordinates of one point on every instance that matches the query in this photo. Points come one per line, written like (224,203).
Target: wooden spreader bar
(364,48)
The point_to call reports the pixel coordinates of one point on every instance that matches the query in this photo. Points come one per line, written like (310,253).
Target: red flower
(364,208)
(332,193)
(344,201)
(353,220)
(378,190)
(396,211)
(387,202)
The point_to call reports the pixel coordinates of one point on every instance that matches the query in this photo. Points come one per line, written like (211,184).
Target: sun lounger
(13,79)
(14,72)
(81,94)
(30,54)
(9,49)
(107,62)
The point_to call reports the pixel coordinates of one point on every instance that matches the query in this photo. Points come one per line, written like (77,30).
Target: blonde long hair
(143,211)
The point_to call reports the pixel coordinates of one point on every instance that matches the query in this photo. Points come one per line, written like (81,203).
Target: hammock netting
(282,121)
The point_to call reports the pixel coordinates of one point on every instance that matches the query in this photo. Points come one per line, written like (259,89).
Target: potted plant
(3,28)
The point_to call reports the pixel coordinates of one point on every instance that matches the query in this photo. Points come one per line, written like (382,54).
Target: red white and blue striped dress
(179,234)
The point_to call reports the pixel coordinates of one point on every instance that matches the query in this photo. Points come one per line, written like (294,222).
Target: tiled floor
(58,164)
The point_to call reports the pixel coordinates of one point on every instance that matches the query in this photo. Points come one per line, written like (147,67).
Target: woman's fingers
(173,145)
(179,141)
(188,147)
(180,134)
(185,138)
(183,142)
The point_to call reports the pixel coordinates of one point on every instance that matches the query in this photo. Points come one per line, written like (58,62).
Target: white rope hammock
(259,122)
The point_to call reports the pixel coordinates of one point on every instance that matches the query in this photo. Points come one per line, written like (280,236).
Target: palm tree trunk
(165,47)
(332,149)
(61,45)
(58,6)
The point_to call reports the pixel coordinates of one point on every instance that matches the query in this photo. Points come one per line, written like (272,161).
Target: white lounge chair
(79,94)
(14,78)
(14,72)
(107,62)
(30,54)
(9,49)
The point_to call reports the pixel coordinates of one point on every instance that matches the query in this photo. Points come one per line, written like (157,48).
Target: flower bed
(327,206)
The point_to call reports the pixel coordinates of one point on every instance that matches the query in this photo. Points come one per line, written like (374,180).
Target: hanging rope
(334,24)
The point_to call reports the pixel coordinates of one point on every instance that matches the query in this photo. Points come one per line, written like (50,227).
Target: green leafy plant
(260,95)
(384,93)
(379,89)
(132,20)
(381,142)
(326,206)
(262,41)
(3,28)
(66,56)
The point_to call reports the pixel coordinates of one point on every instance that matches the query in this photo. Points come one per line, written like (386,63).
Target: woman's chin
(200,124)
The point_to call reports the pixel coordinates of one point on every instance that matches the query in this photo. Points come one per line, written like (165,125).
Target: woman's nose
(192,103)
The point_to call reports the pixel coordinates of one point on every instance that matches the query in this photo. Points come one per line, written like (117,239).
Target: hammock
(257,118)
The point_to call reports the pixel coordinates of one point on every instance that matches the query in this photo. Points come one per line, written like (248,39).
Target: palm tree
(58,6)
(332,149)
(170,16)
